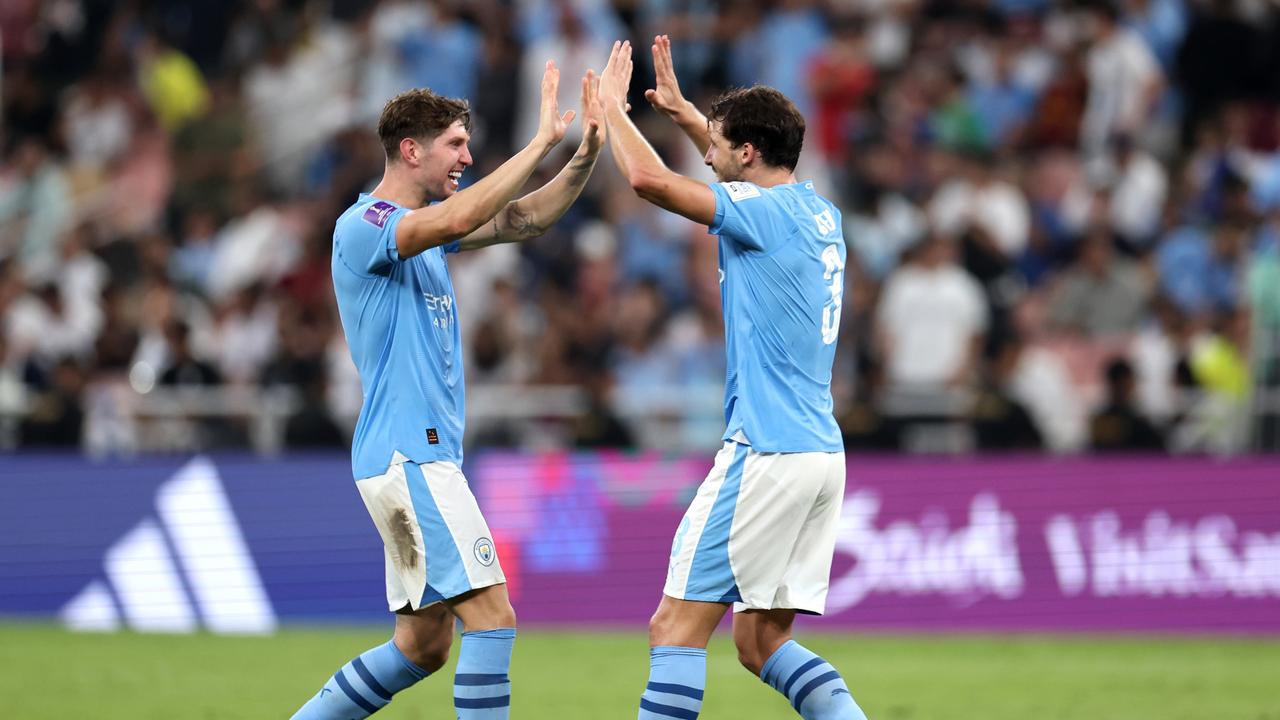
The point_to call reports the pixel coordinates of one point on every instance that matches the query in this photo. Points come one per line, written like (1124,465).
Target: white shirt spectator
(930,317)
(1121,71)
(997,208)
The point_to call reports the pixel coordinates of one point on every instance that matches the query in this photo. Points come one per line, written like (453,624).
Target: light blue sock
(481,688)
(814,688)
(677,677)
(363,686)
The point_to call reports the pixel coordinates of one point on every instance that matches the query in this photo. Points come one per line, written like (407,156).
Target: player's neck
(400,190)
(766,176)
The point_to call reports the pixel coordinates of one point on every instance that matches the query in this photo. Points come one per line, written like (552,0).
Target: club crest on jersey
(741,190)
(484,551)
(378,213)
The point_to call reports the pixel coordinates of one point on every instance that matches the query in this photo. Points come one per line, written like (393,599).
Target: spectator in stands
(932,319)
(1119,426)
(184,368)
(1201,271)
(1102,294)
(56,418)
(1125,80)
(1001,421)
(34,197)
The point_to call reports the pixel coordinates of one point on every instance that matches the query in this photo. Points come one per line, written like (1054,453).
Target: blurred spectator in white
(245,334)
(383,74)
(300,94)
(981,202)
(97,124)
(1159,354)
(35,208)
(1125,188)
(883,222)
(1124,78)
(931,319)
(259,245)
(1101,294)
(574,48)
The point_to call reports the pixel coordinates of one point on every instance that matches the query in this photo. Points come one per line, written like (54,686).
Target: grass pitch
(47,672)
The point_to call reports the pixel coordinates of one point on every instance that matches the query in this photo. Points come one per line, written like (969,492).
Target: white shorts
(761,531)
(437,544)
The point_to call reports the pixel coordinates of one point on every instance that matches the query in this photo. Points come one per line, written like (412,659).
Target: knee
(430,655)
(498,616)
(661,627)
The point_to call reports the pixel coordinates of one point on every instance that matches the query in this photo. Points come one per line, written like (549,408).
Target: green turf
(49,673)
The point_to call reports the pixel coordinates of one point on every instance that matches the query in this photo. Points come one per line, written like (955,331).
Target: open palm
(666,97)
(551,124)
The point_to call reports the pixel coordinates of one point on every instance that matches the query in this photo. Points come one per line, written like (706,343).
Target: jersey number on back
(834,277)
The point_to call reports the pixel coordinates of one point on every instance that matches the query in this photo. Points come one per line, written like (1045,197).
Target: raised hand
(551,124)
(616,77)
(592,112)
(666,97)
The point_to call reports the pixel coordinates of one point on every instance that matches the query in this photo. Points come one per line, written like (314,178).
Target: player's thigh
(699,568)
(486,608)
(808,572)
(778,493)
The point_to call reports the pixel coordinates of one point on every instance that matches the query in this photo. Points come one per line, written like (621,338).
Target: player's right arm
(461,214)
(636,158)
(667,99)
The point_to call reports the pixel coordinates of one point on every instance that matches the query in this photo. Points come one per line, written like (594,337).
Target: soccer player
(397,308)
(761,531)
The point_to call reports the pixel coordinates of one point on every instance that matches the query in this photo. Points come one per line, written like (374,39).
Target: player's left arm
(636,158)
(533,214)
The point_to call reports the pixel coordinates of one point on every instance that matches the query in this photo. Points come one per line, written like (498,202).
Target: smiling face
(442,160)
(725,160)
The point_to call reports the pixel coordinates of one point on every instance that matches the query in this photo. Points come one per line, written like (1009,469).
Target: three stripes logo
(184,567)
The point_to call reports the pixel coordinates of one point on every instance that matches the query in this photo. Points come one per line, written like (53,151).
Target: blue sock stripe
(354,696)
(674,689)
(370,680)
(811,686)
(666,650)
(479,679)
(481,703)
(497,633)
(813,663)
(668,710)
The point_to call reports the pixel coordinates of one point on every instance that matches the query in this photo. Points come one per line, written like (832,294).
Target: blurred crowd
(1062,216)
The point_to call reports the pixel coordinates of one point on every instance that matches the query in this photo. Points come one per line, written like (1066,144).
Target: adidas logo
(185,565)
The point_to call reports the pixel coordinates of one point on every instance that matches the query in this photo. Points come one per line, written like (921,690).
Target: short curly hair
(763,117)
(419,114)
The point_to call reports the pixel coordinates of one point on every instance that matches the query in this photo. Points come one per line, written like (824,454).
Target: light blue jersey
(782,258)
(402,328)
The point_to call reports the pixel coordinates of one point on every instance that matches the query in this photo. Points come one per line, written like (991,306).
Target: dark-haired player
(397,308)
(761,531)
